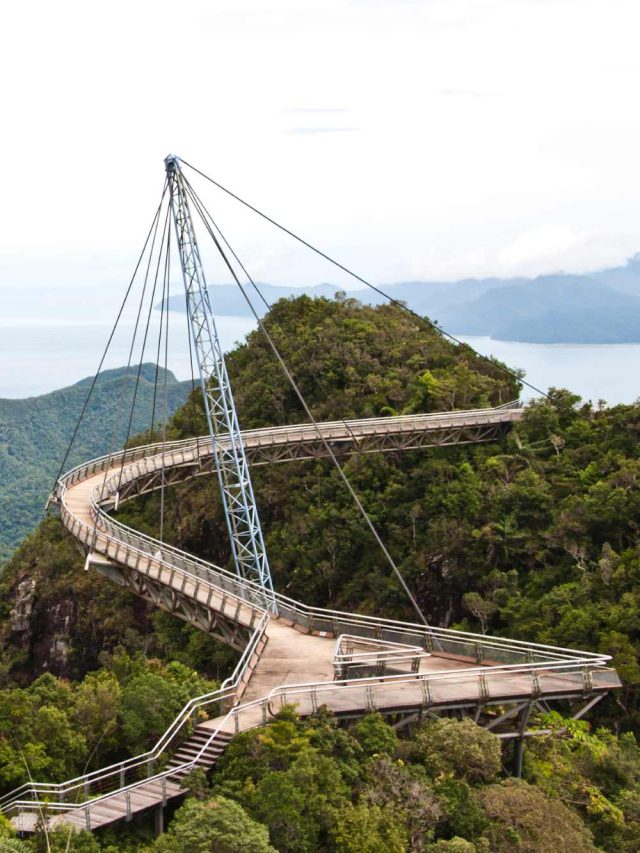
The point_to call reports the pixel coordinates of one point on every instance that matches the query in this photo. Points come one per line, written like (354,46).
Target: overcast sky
(410,138)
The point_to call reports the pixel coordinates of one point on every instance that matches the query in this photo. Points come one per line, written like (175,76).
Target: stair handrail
(288,692)
(226,691)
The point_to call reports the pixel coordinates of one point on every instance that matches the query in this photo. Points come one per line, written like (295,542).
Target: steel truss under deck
(267,451)
(207,618)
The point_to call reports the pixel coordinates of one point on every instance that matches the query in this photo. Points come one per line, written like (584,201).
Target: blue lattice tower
(238,498)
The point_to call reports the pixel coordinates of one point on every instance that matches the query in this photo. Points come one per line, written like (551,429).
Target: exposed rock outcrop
(20,614)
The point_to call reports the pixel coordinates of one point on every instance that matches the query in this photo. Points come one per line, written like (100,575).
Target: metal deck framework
(290,657)
(293,654)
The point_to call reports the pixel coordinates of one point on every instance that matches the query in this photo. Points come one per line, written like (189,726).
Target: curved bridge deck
(289,658)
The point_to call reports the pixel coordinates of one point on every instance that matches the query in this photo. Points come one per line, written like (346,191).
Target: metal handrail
(115,532)
(226,691)
(289,692)
(285,690)
(309,616)
(354,424)
(61,805)
(305,614)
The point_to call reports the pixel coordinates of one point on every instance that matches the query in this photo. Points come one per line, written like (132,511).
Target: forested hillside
(535,537)
(35,432)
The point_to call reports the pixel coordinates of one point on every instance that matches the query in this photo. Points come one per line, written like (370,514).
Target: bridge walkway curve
(300,656)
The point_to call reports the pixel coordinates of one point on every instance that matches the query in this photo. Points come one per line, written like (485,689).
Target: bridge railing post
(371,697)
(587,679)
(535,683)
(483,687)
(426,693)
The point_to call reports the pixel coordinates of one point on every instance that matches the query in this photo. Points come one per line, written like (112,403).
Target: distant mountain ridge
(35,432)
(602,307)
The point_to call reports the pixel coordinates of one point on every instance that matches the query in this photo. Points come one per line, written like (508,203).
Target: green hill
(35,432)
(534,536)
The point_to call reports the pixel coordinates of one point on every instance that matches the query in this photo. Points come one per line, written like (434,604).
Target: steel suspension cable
(163,308)
(426,320)
(146,333)
(327,446)
(205,213)
(110,338)
(167,271)
(125,381)
(194,410)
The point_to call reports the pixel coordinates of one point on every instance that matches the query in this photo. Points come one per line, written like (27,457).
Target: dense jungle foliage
(35,432)
(304,786)
(534,536)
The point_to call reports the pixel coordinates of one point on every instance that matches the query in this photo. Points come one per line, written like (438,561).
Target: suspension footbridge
(292,653)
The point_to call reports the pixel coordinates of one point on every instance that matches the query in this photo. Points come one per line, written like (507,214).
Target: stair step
(200,743)
(221,735)
(196,749)
(179,760)
(203,738)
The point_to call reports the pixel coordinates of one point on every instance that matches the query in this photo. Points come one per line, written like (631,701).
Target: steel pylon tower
(238,498)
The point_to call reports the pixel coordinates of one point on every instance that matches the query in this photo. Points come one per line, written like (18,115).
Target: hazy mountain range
(599,308)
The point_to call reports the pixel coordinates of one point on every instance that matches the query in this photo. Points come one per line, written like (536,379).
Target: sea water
(609,372)
(43,355)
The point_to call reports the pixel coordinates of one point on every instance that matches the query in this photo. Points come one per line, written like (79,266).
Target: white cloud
(558,248)
(432,184)
(546,248)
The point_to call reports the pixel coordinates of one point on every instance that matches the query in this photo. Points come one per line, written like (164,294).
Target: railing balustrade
(512,664)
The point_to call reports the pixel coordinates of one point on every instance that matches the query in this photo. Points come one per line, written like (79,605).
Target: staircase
(147,795)
(190,749)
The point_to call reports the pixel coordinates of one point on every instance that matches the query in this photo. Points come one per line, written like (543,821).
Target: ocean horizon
(40,356)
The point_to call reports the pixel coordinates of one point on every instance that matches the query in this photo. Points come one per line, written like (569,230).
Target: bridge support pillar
(158,819)
(518,753)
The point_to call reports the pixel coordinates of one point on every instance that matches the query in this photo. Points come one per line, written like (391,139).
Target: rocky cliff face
(54,617)
(57,618)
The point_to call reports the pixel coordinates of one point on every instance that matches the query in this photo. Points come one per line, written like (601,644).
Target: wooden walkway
(292,660)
